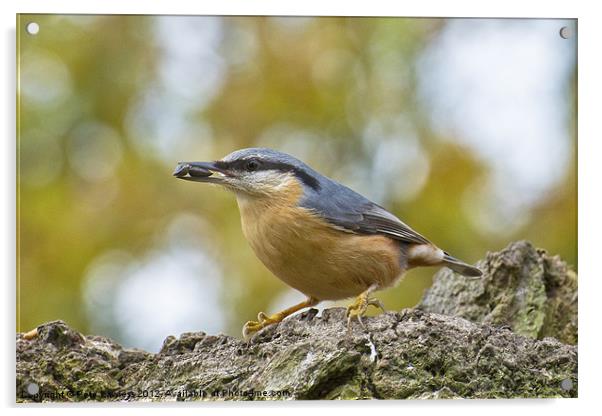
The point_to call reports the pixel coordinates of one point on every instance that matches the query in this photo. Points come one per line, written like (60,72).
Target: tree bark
(499,345)
(522,287)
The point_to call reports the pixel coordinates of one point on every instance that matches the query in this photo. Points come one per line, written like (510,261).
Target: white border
(589,210)
(506,8)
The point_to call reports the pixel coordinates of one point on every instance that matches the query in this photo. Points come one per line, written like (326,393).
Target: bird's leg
(360,305)
(264,320)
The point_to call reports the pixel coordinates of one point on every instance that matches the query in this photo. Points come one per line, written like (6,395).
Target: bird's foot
(263,320)
(251,327)
(359,307)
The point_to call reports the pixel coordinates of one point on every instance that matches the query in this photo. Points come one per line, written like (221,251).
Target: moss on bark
(522,287)
(411,354)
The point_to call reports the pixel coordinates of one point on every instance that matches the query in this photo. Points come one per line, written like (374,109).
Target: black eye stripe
(241,165)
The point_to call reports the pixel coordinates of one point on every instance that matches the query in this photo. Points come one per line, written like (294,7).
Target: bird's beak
(199,172)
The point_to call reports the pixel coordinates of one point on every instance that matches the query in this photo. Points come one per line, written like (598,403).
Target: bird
(315,234)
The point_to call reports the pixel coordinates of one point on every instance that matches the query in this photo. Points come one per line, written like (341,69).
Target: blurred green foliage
(313,86)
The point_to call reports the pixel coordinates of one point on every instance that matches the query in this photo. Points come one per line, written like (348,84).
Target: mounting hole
(32,28)
(565,32)
(33,388)
(566,384)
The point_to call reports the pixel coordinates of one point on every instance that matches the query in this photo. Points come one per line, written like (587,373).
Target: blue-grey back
(333,201)
(343,207)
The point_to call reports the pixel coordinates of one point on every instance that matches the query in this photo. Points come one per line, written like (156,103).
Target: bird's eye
(252,165)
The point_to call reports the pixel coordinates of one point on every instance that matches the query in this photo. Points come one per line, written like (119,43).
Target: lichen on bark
(410,354)
(523,287)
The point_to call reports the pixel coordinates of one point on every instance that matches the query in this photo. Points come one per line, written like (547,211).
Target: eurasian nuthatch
(317,235)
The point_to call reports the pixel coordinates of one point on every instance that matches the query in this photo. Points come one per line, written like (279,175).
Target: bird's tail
(460,267)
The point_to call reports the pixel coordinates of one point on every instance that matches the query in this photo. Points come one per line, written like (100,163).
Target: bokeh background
(464,128)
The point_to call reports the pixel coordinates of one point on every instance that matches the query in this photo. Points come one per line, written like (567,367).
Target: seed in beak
(181,170)
(184,169)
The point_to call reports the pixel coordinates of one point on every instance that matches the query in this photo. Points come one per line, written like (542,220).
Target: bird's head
(257,172)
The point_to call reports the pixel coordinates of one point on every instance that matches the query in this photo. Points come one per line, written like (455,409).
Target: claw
(377,303)
(359,307)
(350,316)
(250,328)
(262,317)
(263,320)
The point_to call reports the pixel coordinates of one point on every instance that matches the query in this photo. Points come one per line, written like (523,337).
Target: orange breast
(314,257)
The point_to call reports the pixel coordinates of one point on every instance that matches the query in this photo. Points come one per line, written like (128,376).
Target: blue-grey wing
(345,208)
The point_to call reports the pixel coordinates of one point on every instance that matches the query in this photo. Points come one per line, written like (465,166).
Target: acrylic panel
(464,129)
